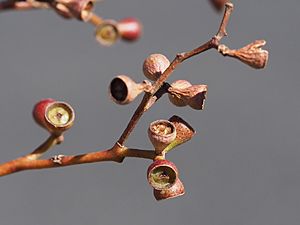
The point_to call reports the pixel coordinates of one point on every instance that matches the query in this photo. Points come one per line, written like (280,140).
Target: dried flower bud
(218,4)
(161,133)
(130,29)
(154,65)
(107,33)
(194,96)
(252,54)
(175,191)
(123,90)
(162,174)
(176,99)
(184,132)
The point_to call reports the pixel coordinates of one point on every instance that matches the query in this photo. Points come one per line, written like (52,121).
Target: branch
(13,166)
(147,101)
(222,29)
(49,143)
(31,161)
(118,152)
(95,20)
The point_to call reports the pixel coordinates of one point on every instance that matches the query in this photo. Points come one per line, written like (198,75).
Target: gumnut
(130,29)
(123,90)
(154,65)
(107,33)
(55,116)
(194,95)
(162,174)
(161,133)
(184,132)
(177,99)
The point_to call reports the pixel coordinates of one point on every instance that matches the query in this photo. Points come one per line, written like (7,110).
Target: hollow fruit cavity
(118,89)
(162,129)
(58,116)
(107,34)
(163,177)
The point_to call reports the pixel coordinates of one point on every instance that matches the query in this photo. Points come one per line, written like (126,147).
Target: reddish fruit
(39,111)
(56,117)
(175,191)
(130,29)
(162,174)
(154,65)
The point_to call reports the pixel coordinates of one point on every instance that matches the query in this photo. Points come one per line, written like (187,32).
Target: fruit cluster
(107,32)
(163,134)
(162,174)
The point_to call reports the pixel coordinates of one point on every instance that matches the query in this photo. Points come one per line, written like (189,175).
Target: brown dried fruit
(154,65)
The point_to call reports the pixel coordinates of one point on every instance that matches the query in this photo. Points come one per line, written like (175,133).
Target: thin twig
(49,143)
(222,29)
(13,166)
(95,19)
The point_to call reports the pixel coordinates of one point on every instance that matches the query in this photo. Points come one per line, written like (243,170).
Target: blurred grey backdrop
(242,167)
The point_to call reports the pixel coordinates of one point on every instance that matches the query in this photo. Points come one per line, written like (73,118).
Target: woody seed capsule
(154,65)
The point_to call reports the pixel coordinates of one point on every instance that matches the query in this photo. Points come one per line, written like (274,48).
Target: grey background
(242,167)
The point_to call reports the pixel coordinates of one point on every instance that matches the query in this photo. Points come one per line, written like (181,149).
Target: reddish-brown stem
(222,29)
(146,102)
(115,154)
(134,119)
(49,143)
(95,20)
(13,166)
